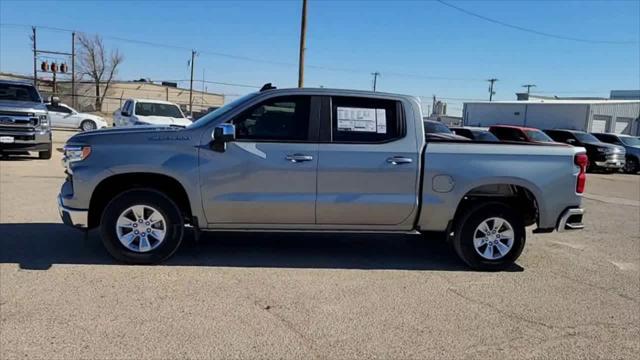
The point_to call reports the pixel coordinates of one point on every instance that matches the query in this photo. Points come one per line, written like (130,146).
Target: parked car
(24,122)
(435,130)
(521,134)
(316,160)
(475,133)
(602,156)
(631,145)
(64,116)
(150,112)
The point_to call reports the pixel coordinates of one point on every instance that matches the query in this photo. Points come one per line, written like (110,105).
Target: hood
(164,120)
(119,131)
(22,106)
(610,147)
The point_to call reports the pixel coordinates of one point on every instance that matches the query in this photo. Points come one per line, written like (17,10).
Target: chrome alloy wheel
(493,238)
(141,228)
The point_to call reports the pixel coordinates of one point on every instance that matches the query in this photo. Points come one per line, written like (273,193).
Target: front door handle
(299,158)
(397,160)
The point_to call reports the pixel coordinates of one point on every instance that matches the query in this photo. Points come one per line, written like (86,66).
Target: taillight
(581,160)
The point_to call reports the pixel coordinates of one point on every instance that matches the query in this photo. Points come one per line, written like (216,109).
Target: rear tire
(494,247)
(88,125)
(45,155)
(145,246)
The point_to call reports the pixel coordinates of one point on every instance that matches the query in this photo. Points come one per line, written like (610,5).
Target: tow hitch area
(571,219)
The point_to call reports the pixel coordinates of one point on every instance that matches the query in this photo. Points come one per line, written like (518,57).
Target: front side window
(283,118)
(508,134)
(365,120)
(58,108)
(157,109)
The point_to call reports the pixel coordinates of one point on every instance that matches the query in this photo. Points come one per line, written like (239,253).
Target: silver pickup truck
(316,160)
(24,120)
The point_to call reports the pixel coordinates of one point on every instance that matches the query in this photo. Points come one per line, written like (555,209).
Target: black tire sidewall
(46,155)
(152,198)
(95,126)
(634,169)
(463,239)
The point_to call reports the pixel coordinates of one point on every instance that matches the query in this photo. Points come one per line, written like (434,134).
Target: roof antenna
(267,86)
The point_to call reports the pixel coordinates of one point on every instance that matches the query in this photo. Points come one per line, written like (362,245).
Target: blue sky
(420,47)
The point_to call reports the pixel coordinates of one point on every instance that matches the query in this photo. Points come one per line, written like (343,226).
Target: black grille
(16,129)
(16,113)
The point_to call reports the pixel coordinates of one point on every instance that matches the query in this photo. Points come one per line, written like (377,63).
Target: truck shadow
(38,246)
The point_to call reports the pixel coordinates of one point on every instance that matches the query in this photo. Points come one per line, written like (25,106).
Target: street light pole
(375,79)
(193,55)
(491,92)
(303,37)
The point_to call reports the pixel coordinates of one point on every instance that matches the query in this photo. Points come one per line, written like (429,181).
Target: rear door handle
(398,160)
(299,157)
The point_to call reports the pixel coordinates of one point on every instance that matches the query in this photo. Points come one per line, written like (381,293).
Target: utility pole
(193,55)
(73,69)
(375,79)
(528,86)
(35,60)
(491,92)
(303,37)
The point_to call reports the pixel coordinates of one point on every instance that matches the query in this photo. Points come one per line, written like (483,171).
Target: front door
(368,172)
(61,116)
(268,175)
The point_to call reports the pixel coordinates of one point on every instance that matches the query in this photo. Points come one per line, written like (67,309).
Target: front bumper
(27,139)
(611,161)
(571,219)
(73,217)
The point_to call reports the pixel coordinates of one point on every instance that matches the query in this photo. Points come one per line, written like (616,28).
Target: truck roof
(513,127)
(341,92)
(152,101)
(16,82)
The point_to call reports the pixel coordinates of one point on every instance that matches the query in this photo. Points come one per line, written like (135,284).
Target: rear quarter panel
(548,172)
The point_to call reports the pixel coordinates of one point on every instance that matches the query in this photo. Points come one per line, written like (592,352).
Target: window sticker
(362,120)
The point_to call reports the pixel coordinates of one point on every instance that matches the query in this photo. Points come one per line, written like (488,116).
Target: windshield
(586,137)
(157,109)
(431,127)
(537,135)
(223,110)
(630,140)
(17,92)
(486,136)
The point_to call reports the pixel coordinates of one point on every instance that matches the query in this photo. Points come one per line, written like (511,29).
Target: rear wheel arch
(114,185)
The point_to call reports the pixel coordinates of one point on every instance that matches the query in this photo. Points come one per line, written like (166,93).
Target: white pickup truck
(149,112)
(317,160)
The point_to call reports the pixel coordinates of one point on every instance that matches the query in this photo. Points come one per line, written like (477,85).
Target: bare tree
(94,63)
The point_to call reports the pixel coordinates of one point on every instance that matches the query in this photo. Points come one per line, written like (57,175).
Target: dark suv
(601,155)
(631,144)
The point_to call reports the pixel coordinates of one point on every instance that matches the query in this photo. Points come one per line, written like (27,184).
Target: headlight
(73,153)
(44,121)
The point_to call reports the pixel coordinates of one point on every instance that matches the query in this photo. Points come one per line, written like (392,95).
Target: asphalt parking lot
(572,295)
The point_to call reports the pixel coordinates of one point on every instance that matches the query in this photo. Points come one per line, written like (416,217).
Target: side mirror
(54,100)
(222,134)
(571,141)
(124,113)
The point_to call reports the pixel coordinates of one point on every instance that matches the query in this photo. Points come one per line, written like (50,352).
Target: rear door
(369,163)
(267,177)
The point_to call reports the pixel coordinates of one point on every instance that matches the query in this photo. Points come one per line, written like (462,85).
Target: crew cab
(24,121)
(316,160)
(64,116)
(602,156)
(149,112)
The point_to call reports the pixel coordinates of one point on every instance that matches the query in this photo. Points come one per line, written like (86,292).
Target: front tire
(141,226)
(631,166)
(489,236)
(88,125)
(45,155)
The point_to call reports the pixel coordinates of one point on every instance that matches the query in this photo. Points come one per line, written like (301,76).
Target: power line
(533,31)
(250,59)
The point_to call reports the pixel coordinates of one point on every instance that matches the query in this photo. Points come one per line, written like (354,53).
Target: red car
(521,134)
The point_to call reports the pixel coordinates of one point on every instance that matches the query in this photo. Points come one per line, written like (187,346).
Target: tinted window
(432,127)
(282,118)
(537,135)
(586,137)
(607,138)
(365,120)
(60,109)
(508,134)
(463,132)
(630,140)
(17,92)
(485,136)
(156,109)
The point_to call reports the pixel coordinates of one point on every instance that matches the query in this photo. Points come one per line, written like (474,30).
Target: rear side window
(365,120)
(508,134)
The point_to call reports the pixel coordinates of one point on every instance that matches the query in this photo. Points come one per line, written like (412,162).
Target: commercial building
(593,115)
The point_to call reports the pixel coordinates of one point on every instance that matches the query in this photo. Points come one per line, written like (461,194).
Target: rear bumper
(73,217)
(571,219)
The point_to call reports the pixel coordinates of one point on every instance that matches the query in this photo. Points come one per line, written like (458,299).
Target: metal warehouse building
(619,116)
